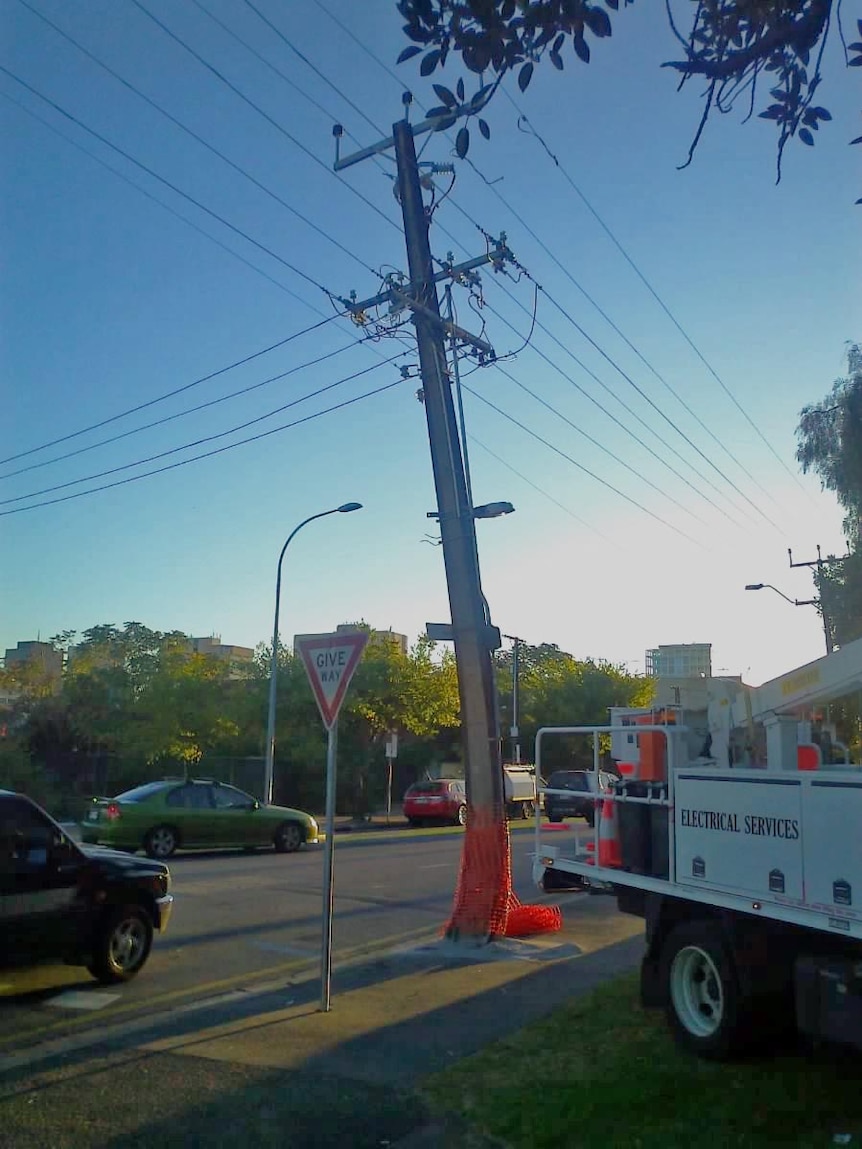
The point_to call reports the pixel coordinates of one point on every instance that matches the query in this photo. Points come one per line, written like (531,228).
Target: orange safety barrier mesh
(485,902)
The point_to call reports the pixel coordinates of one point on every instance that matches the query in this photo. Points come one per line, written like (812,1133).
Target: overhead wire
(541,490)
(166,207)
(261,111)
(654,293)
(580,466)
(186,411)
(173,187)
(628,379)
(198,138)
(206,438)
(210,454)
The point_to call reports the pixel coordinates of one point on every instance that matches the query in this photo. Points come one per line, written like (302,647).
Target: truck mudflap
(828,991)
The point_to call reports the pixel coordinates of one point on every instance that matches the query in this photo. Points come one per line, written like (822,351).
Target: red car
(443,800)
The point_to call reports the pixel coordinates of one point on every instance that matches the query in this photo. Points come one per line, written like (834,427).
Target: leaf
(429,62)
(481,97)
(806,137)
(445,121)
(556,59)
(459,88)
(615,4)
(412,50)
(445,95)
(858,140)
(822,113)
(774,112)
(855,63)
(484,129)
(582,48)
(435,112)
(598,22)
(462,143)
(524,76)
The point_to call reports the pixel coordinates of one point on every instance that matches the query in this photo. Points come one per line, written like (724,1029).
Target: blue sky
(109,301)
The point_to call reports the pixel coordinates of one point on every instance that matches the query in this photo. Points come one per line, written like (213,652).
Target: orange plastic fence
(484,899)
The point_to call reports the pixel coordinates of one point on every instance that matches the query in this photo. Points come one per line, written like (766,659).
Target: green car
(160,817)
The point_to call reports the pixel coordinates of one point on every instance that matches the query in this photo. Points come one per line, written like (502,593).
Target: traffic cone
(591,854)
(609,840)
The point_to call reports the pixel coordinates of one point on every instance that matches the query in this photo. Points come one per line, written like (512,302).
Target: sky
(130,277)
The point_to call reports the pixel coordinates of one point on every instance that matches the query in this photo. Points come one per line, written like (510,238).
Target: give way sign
(330,660)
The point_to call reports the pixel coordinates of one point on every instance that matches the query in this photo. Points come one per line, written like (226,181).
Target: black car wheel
(161,842)
(552,817)
(461,816)
(121,945)
(590,816)
(288,838)
(414,822)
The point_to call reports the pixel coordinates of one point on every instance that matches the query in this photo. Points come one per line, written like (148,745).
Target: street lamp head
(755,586)
(346,508)
(492,510)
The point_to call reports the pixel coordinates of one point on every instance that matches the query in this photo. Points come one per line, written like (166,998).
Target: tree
(829,443)
(733,46)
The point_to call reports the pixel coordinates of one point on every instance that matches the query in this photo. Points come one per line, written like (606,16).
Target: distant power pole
(516,687)
(473,635)
(820,563)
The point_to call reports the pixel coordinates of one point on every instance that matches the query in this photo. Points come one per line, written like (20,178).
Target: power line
(161,179)
(200,139)
(580,466)
(661,304)
(209,454)
(605,450)
(613,363)
(540,490)
(187,411)
(269,119)
(592,399)
(206,438)
(169,394)
(155,199)
(289,43)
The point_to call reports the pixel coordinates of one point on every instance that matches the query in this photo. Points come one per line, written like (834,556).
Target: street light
(796,602)
(344,509)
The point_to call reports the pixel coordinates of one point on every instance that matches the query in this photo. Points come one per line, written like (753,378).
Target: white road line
(436,866)
(82,999)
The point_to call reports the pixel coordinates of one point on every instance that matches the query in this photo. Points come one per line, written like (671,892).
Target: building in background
(215,648)
(376,636)
(685,660)
(41,655)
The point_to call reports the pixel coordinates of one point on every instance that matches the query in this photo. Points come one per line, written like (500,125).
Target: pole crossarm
(497,256)
(450,329)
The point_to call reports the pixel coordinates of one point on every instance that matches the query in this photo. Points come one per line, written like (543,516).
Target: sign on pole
(330,660)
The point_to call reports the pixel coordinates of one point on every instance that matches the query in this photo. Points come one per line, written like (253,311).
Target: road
(244,919)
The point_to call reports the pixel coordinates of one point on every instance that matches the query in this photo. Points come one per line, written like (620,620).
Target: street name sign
(330,661)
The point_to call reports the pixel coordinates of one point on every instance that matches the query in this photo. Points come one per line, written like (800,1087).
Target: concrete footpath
(269,1069)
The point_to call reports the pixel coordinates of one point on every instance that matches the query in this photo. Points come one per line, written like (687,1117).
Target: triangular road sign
(330,660)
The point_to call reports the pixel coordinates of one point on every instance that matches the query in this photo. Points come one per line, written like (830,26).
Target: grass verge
(604,1072)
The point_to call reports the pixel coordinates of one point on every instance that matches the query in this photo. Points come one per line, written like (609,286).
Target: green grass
(603,1073)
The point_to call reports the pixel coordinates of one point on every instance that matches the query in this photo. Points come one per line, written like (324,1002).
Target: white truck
(744,857)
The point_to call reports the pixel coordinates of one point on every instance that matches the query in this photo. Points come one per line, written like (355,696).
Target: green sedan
(161,817)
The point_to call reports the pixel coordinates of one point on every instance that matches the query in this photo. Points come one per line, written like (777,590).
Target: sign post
(391,752)
(330,660)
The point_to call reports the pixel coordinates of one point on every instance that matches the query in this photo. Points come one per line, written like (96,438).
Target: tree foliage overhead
(737,48)
(829,438)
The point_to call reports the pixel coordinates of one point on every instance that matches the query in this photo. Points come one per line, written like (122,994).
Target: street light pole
(514,731)
(345,508)
(797,602)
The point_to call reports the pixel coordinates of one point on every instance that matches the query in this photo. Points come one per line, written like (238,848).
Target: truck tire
(707,1011)
(528,809)
(121,945)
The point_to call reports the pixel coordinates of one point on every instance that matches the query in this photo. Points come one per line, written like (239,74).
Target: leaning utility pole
(820,563)
(473,635)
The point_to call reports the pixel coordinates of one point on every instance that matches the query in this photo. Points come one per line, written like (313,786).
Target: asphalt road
(241,920)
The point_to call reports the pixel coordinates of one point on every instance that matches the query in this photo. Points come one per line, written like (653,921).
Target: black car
(574,802)
(83,906)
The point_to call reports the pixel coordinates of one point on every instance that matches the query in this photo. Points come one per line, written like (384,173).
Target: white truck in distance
(735,834)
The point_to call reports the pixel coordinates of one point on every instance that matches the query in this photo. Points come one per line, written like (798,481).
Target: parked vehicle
(574,802)
(82,906)
(441,800)
(175,814)
(736,837)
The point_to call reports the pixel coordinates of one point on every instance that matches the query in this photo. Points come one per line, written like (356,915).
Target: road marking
(436,866)
(275,948)
(82,999)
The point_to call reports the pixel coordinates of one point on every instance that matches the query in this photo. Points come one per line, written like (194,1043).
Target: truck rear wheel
(706,1009)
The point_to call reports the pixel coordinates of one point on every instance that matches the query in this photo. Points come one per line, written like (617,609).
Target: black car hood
(118,862)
